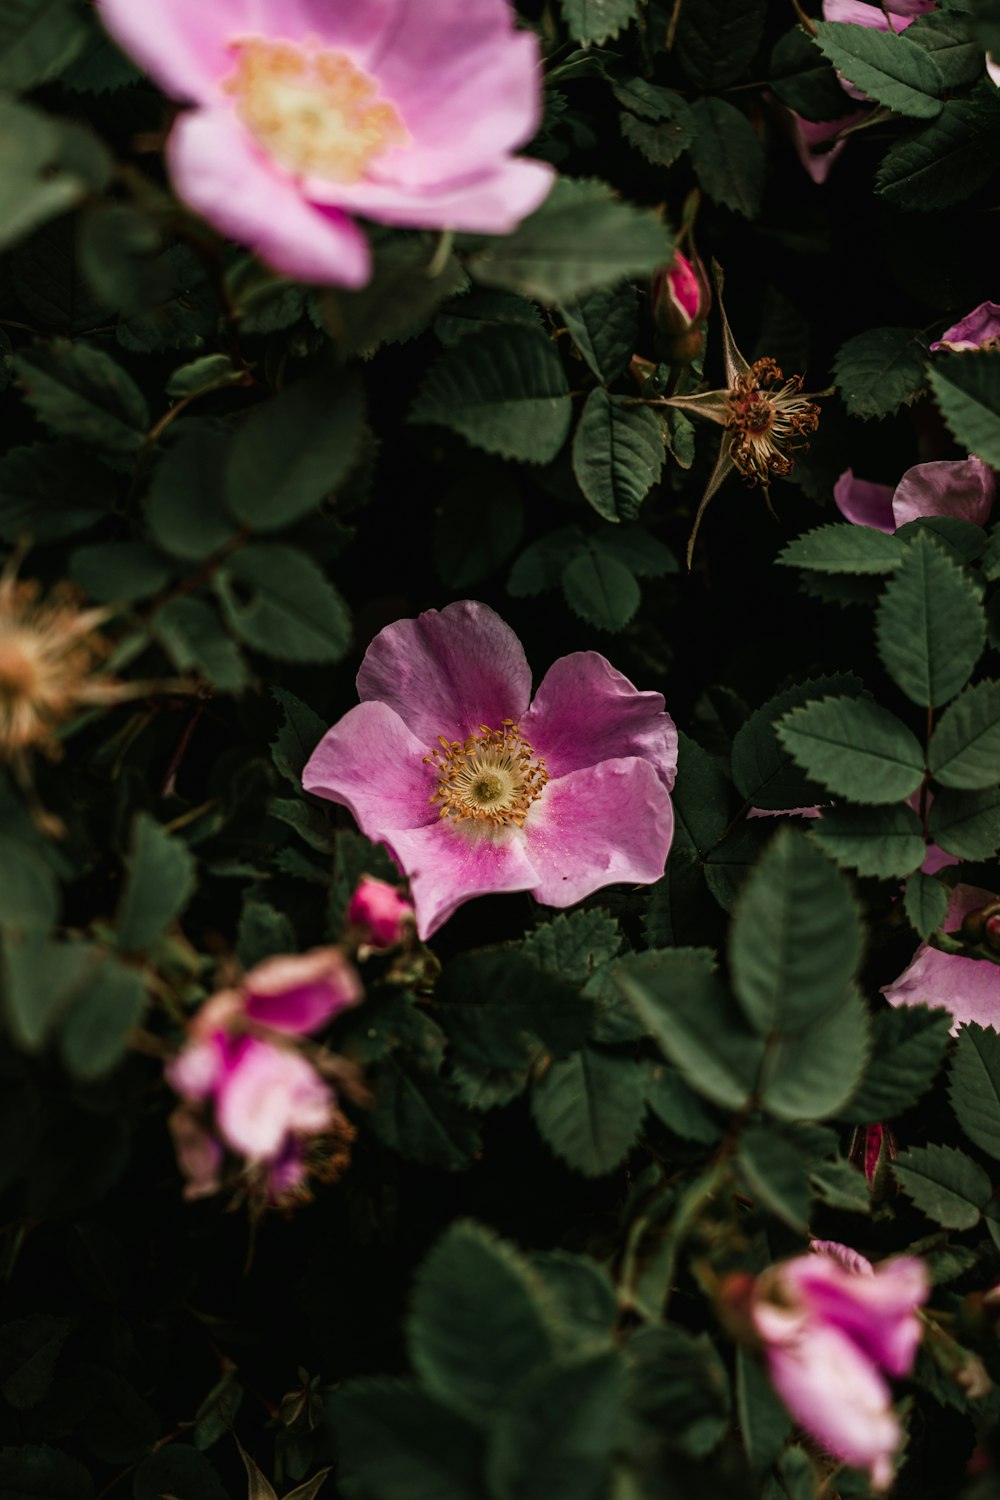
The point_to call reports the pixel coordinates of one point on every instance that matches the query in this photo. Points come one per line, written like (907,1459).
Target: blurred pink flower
(968,987)
(978,328)
(382,914)
(964,488)
(298,993)
(832,1323)
(307,111)
(474,791)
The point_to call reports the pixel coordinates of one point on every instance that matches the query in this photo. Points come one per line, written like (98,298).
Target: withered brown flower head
(768,419)
(50,650)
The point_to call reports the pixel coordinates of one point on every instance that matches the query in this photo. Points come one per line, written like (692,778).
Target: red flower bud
(681,300)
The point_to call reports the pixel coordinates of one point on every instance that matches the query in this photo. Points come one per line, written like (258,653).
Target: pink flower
(979,328)
(474,791)
(300,993)
(964,488)
(308,111)
(832,1324)
(897,13)
(968,987)
(380,911)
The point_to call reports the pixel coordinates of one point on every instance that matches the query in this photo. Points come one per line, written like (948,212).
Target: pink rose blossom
(300,993)
(382,914)
(267,1095)
(968,987)
(832,1323)
(308,111)
(964,488)
(475,788)
(980,326)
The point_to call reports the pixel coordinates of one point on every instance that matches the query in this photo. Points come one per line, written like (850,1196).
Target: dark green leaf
(38,178)
(909,1043)
(855,748)
(38,38)
(29,1350)
(597,20)
(400,297)
(880,370)
(891,70)
(966,823)
(661,141)
(631,544)
(925,903)
(775,1174)
(101,1019)
(588,1108)
(184,506)
(974,1086)
(617,454)
(948,1186)
(727,156)
(112,571)
(82,393)
(965,747)
(763,770)
(804,80)
(396,1442)
(301,731)
(573,945)
(967,389)
(680,1386)
(34,1470)
(193,636)
(764,1420)
(51,490)
(488,1000)
(292,613)
(842,547)
(161,878)
(946,161)
(879,841)
(601,590)
(716,39)
(418,1116)
(813,1074)
(702,795)
(604,326)
(947,39)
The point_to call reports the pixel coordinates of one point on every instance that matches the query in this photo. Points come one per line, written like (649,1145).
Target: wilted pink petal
(817,143)
(299,993)
(199,1154)
(382,914)
(269,1093)
(858,13)
(968,987)
(441,764)
(964,488)
(863,502)
(982,325)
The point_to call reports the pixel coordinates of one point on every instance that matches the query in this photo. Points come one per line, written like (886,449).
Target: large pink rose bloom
(306,111)
(475,788)
(832,1323)
(964,488)
(968,987)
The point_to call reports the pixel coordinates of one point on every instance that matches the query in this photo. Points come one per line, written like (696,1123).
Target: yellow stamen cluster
(491,778)
(768,419)
(313,110)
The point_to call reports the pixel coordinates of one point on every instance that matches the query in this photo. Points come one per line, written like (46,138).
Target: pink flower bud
(681,300)
(380,911)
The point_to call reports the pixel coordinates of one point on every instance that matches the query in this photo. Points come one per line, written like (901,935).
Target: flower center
(768,419)
(312,109)
(492,777)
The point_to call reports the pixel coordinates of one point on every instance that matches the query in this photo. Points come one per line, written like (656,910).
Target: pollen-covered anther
(769,419)
(491,778)
(314,110)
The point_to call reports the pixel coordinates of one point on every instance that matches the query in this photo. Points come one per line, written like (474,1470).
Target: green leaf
(103,1013)
(112,571)
(503,390)
(400,297)
(763,1417)
(958,56)
(293,450)
(644,555)
(702,797)
(604,326)
(888,68)
(31,1470)
(945,1184)
(583,1298)
(588,1109)
(398,1443)
(39,177)
(930,626)
(880,370)
(795,938)
(960,540)
(775,1173)
(301,731)
(38,39)
(193,636)
(487,1001)
(597,20)
(51,490)
(763,770)
(965,747)
(727,156)
(675,1104)
(967,389)
(184,506)
(210,372)
(660,141)
(40,981)
(29,1352)
(473,540)
(841,1185)
(478,1324)
(945,162)
(925,903)
(416,1115)
(686,1008)
(813,1074)
(558,1436)
(716,39)
(617,454)
(582,237)
(679,1386)
(573,945)
(879,841)
(83,393)
(855,748)
(966,823)
(974,1086)
(479,309)
(909,1044)
(541,565)
(161,879)
(842,547)
(803,79)
(293,613)
(263,931)
(601,590)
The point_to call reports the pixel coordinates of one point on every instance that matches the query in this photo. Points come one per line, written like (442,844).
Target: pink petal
(585,712)
(983,322)
(374,765)
(380,912)
(296,994)
(858,13)
(839,1397)
(198,1068)
(964,488)
(606,823)
(864,503)
(220,173)
(446,673)
(843,1255)
(491,202)
(876,1309)
(183,45)
(199,1155)
(810,137)
(448,866)
(270,1093)
(446,42)
(968,987)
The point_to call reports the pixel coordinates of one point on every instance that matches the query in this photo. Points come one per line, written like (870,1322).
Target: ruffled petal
(219,171)
(968,987)
(876,1309)
(964,488)
(270,1094)
(983,322)
(606,823)
(492,202)
(299,993)
(183,45)
(864,503)
(585,712)
(372,764)
(448,867)
(447,672)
